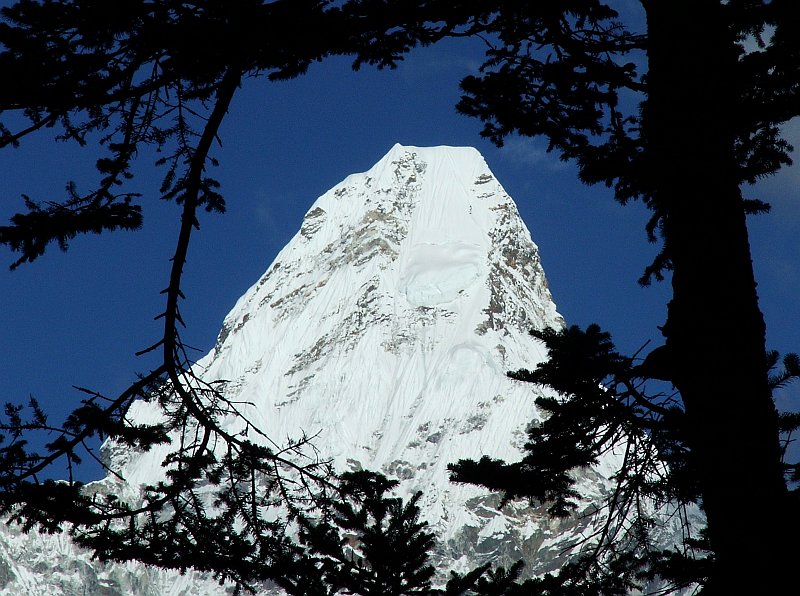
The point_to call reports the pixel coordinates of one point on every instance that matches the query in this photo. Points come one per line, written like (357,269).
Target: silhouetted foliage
(678,115)
(604,404)
(363,541)
(602,407)
(131,76)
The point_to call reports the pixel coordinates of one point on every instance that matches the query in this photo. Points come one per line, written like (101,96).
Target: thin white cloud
(531,152)
(450,59)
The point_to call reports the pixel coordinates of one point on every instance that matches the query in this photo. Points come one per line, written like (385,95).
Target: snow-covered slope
(51,565)
(385,328)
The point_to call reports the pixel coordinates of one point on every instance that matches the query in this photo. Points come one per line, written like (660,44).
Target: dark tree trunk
(715,331)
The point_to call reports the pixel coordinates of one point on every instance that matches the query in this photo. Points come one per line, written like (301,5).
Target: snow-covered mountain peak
(431,226)
(386,326)
(424,254)
(384,329)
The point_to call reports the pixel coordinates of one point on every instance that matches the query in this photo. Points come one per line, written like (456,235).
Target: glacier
(384,329)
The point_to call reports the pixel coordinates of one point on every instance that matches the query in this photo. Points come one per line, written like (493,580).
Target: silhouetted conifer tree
(678,115)
(366,542)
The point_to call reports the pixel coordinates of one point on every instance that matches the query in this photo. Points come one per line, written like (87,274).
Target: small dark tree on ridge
(366,542)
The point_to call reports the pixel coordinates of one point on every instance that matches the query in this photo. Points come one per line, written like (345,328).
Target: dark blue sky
(77,318)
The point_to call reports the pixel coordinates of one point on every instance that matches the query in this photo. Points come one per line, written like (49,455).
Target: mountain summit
(384,329)
(386,326)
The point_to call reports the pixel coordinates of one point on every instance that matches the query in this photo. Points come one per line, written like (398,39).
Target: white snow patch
(439,273)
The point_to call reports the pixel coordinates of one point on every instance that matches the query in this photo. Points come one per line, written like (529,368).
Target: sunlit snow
(385,328)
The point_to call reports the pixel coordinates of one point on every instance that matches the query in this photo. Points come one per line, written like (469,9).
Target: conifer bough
(682,134)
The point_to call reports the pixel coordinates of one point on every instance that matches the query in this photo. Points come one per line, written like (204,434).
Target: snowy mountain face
(384,329)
